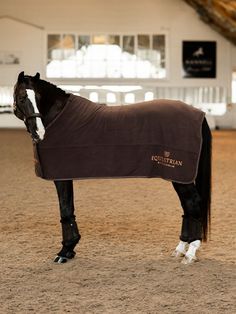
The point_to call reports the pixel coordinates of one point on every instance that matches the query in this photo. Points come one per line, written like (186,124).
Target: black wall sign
(199,59)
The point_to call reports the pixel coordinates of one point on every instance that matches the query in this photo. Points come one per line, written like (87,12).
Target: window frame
(105,80)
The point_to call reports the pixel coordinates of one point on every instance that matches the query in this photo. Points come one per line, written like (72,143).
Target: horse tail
(203,180)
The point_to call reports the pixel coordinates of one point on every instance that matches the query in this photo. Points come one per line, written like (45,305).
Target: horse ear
(37,76)
(21,77)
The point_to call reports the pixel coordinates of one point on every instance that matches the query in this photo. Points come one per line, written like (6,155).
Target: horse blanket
(159,138)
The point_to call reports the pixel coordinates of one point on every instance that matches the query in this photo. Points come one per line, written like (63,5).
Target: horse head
(29,81)
(25,107)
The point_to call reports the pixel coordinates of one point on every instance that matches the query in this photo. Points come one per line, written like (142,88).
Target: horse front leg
(191,231)
(70,232)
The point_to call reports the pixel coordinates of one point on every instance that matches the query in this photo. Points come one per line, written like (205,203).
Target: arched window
(149,96)
(111,98)
(93,96)
(129,98)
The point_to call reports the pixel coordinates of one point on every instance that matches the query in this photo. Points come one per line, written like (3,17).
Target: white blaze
(40,128)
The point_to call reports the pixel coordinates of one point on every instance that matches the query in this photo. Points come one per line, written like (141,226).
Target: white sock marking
(180,249)
(193,247)
(40,128)
(190,256)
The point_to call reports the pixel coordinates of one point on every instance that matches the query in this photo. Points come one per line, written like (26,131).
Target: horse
(36,99)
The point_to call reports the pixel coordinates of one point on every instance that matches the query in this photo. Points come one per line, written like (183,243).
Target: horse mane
(50,99)
(49,87)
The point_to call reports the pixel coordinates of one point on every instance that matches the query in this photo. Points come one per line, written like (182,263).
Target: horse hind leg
(191,231)
(191,254)
(70,232)
(181,248)
(195,238)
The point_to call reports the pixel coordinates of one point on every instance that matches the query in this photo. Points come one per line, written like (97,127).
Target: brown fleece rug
(159,138)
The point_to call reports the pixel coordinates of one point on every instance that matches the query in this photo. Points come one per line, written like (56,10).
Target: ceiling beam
(219,14)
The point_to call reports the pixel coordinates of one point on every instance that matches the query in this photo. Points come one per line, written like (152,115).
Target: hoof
(190,256)
(177,254)
(180,250)
(187,260)
(63,257)
(60,260)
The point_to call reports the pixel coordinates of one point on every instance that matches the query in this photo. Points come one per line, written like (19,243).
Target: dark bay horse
(38,101)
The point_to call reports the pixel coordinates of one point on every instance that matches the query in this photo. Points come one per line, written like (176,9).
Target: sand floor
(129,228)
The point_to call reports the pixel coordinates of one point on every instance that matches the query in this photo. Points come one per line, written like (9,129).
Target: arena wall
(24,27)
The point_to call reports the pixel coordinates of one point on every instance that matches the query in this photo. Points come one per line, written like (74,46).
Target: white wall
(28,42)
(25,39)
(174,17)
(233,57)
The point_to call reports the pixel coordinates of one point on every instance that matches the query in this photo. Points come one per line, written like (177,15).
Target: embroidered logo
(165,160)
(166,154)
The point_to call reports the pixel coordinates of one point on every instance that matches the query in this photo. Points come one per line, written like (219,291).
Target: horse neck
(50,101)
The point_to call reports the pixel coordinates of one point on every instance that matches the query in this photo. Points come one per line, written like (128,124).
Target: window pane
(143,42)
(68,45)
(114,68)
(99,39)
(158,42)
(54,47)
(128,44)
(54,68)
(143,69)
(68,41)
(82,67)
(113,56)
(68,68)
(114,40)
(128,68)
(83,41)
(158,56)
(143,53)
(159,45)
